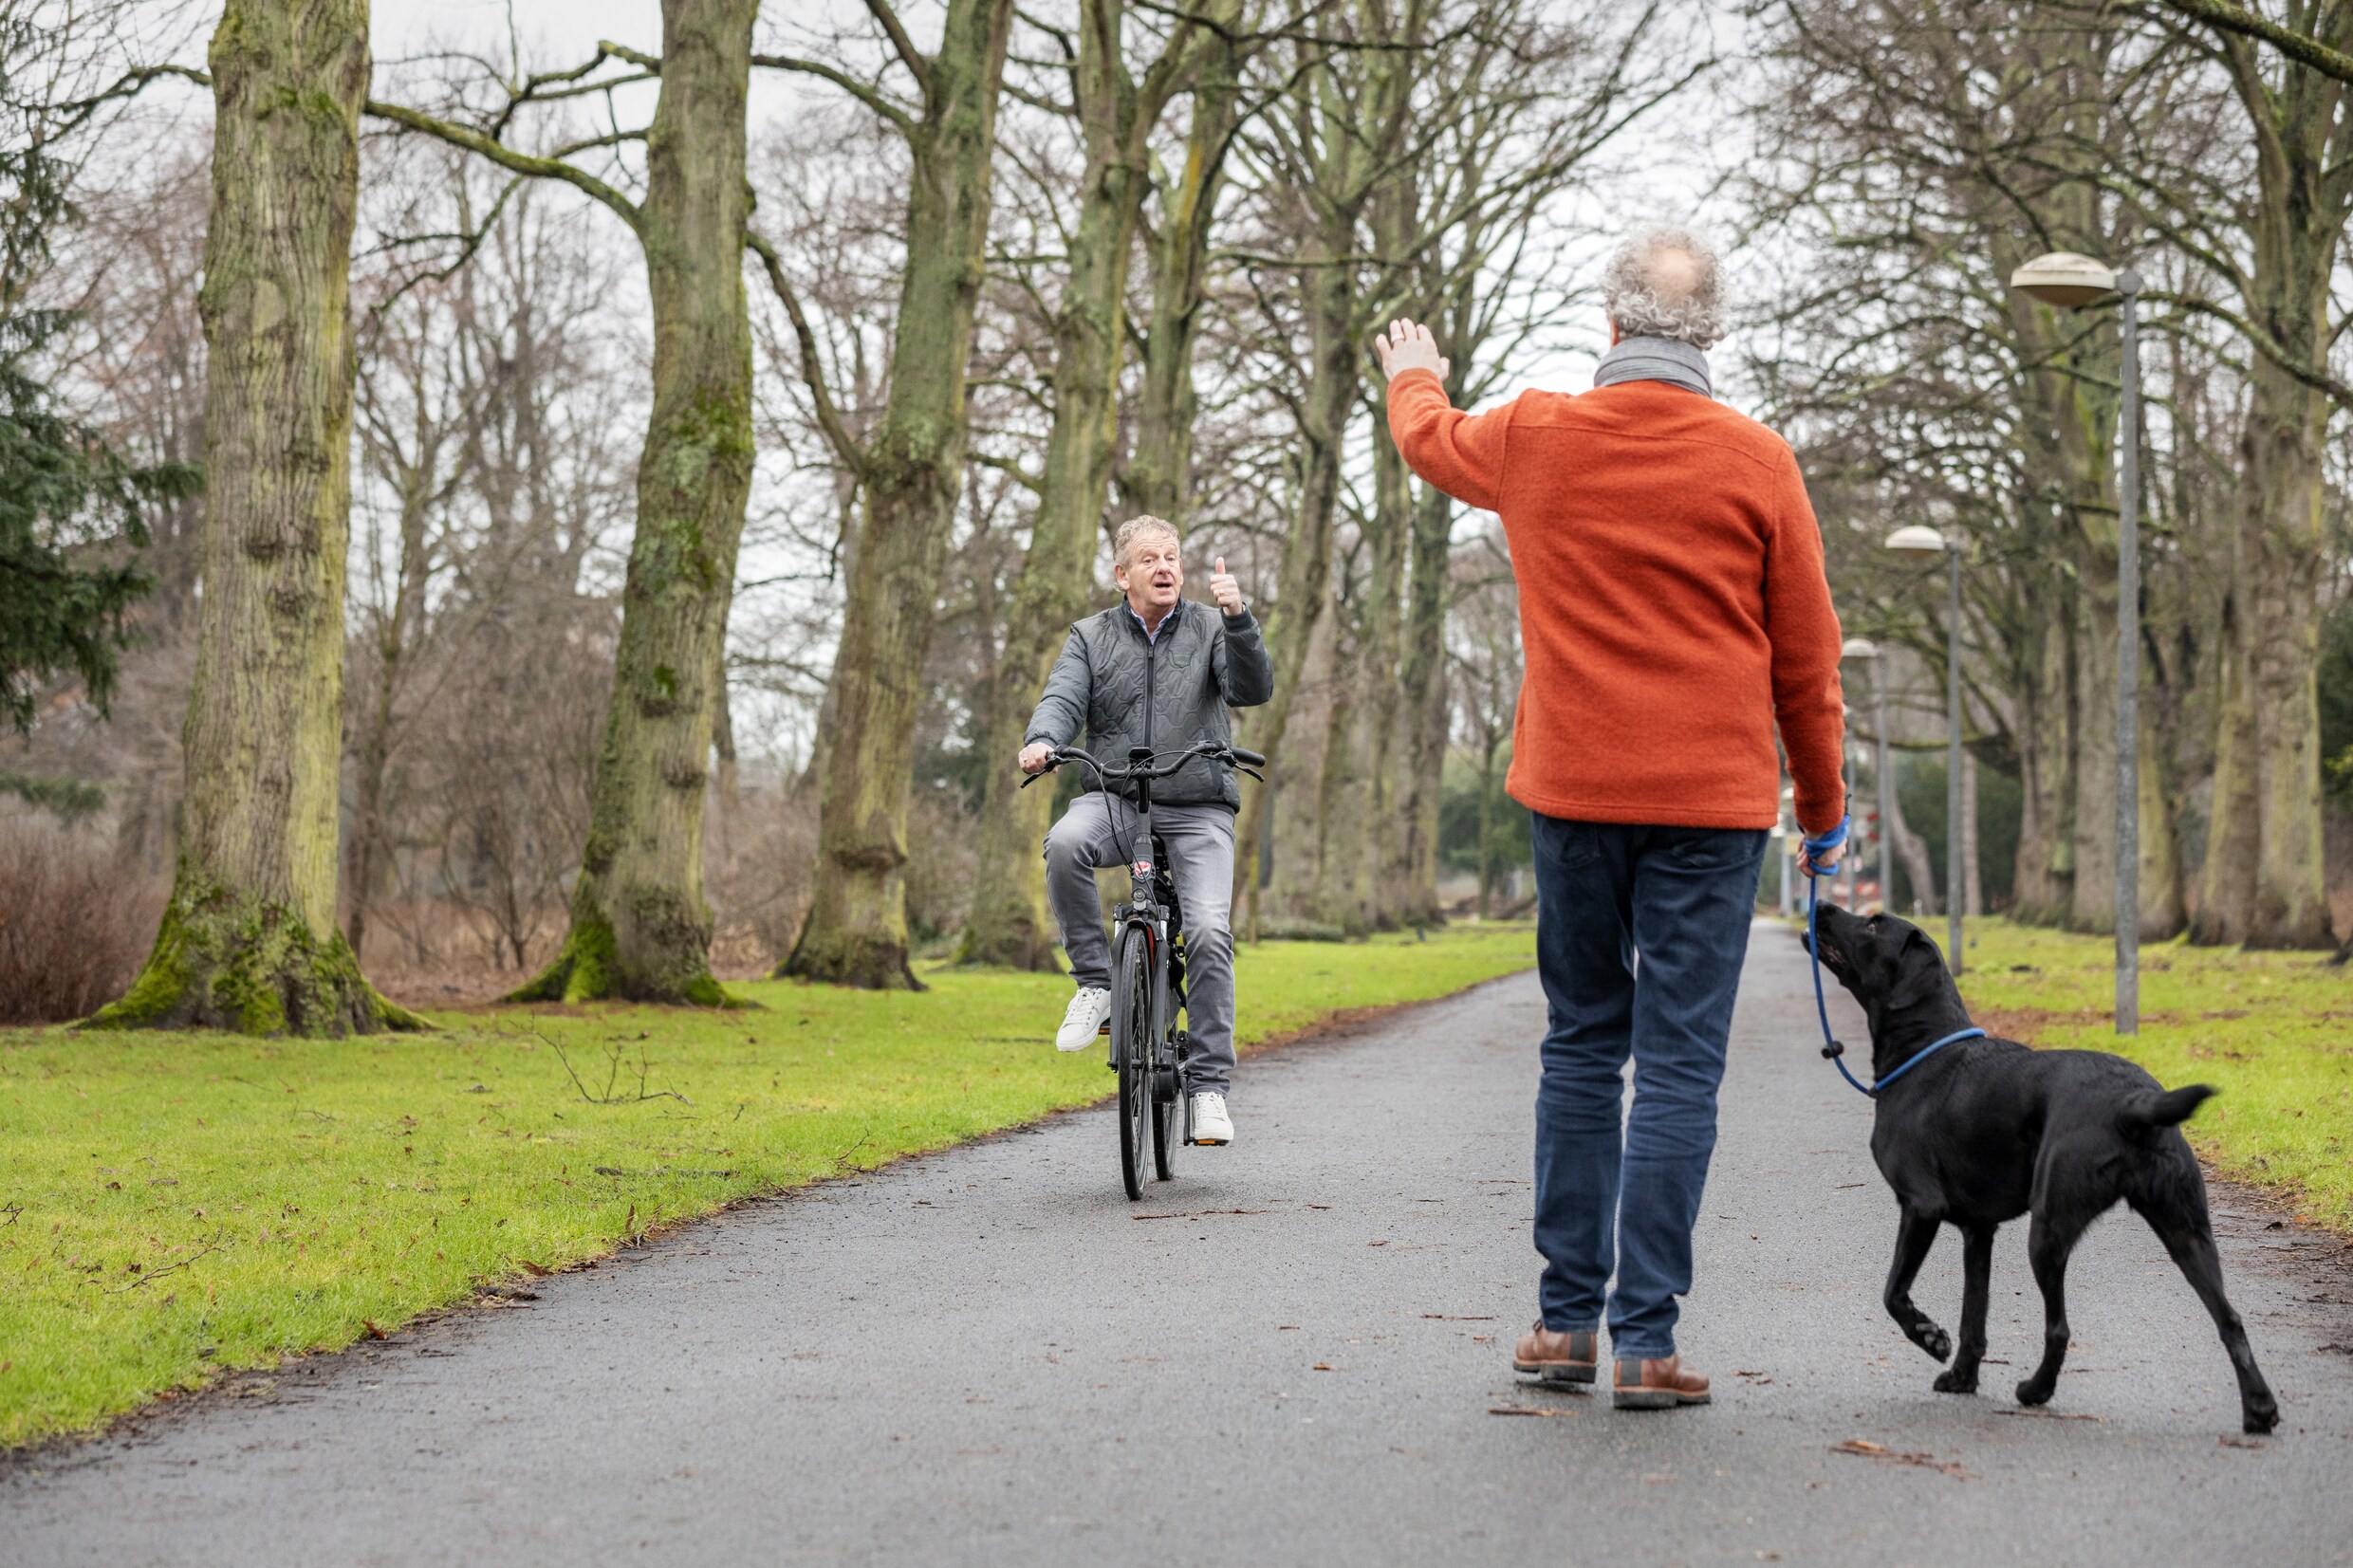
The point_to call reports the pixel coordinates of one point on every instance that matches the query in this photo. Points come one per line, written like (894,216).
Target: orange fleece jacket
(1671,601)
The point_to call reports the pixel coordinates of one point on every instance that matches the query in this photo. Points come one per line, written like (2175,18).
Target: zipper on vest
(1152,646)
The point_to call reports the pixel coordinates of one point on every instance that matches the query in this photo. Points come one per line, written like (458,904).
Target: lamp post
(1920,539)
(2072,282)
(1789,832)
(1867,651)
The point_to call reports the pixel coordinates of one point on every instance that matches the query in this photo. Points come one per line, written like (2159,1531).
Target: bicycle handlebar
(1248,762)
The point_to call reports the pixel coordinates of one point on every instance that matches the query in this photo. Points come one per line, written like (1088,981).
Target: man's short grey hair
(1666,281)
(1123,541)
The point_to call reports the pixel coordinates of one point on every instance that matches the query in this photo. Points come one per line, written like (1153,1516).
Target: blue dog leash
(1831,1047)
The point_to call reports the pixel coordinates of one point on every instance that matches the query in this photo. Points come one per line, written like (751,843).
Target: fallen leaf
(1322,1366)
(1865,1449)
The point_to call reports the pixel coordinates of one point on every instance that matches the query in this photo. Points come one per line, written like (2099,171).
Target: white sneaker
(1209,1122)
(1090,1011)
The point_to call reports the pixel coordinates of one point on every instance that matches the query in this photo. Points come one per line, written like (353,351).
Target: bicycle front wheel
(1133,1025)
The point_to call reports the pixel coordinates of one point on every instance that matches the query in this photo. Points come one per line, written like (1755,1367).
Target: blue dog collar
(1924,1054)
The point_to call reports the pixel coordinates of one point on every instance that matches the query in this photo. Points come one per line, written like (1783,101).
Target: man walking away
(1673,609)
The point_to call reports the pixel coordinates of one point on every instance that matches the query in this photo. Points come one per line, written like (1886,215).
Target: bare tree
(909,477)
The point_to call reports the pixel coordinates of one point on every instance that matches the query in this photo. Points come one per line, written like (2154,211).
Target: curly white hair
(1666,281)
(1123,541)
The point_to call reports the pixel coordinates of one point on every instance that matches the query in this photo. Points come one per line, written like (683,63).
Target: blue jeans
(1682,898)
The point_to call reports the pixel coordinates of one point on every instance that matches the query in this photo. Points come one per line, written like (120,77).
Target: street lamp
(1790,834)
(2072,282)
(1867,651)
(1920,539)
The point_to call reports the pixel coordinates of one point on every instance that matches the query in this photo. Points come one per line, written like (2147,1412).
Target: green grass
(172,1205)
(2267,1029)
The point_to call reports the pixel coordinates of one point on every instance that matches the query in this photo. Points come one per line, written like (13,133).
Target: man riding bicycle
(1157,671)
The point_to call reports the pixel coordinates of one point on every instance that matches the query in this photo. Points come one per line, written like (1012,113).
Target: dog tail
(2154,1108)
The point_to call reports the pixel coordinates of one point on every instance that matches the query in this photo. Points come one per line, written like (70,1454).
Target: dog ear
(1915,971)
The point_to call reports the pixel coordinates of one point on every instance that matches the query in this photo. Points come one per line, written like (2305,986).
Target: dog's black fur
(1986,1130)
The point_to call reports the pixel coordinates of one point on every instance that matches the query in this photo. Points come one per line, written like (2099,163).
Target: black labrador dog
(1986,1130)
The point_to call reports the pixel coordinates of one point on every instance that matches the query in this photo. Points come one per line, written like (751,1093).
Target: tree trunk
(1157,480)
(856,933)
(2093,888)
(1344,787)
(1972,875)
(1306,578)
(2264,865)
(2227,887)
(1424,709)
(1489,789)
(639,925)
(2043,873)
(249,940)
(1913,851)
(1359,878)
(392,649)
(2264,861)
(1009,923)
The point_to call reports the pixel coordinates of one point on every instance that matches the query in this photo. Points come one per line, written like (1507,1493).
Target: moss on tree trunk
(1009,923)
(639,925)
(856,933)
(249,939)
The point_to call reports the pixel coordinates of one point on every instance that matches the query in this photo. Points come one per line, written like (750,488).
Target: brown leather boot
(1658,1385)
(1557,1356)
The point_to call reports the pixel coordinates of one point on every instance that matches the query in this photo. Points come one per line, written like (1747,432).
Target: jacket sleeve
(1245,674)
(1460,453)
(1062,712)
(1804,629)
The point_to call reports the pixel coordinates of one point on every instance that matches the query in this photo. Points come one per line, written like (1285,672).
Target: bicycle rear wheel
(1133,1024)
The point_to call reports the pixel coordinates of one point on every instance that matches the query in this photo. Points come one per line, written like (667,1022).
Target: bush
(74,925)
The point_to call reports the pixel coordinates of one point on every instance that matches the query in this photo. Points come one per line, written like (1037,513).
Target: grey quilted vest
(1167,692)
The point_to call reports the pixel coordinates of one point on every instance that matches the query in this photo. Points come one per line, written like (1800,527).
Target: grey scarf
(1655,359)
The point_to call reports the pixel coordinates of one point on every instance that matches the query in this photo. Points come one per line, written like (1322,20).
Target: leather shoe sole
(1653,1400)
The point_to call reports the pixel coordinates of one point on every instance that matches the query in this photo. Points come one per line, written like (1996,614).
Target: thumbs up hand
(1226,590)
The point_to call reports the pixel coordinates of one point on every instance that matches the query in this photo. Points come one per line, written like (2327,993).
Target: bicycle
(1148,1050)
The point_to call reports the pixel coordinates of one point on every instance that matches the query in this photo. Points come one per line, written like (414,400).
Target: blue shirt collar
(1151,635)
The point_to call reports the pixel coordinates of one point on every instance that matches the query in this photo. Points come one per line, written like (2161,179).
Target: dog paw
(2031,1392)
(1935,1341)
(2260,1418)
(1956,1382)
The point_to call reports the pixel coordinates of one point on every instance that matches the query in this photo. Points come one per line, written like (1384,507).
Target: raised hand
(1408,345)
(1226,590)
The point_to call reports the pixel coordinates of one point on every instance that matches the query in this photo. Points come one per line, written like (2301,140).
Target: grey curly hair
(1123,541)
(1666,281)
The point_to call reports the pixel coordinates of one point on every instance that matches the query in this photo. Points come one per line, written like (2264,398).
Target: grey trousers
(1200,857)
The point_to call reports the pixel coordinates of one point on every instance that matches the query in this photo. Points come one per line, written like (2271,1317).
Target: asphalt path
(1297,1352)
